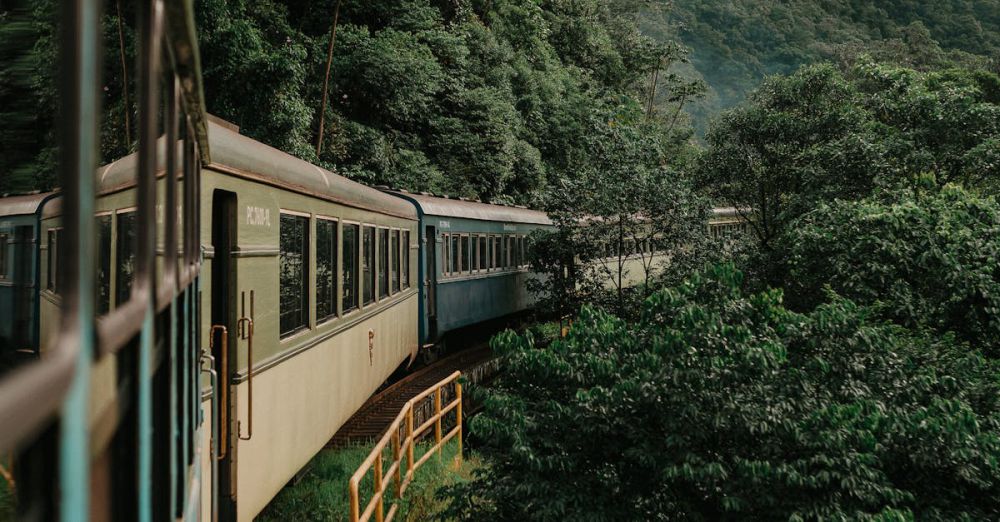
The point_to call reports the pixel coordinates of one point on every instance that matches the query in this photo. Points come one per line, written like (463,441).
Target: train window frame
(356,273)
(4,245)
(303,325)
(466,254)
(395,262)
(404,241)
(368,279)
(382,266)
(335,293)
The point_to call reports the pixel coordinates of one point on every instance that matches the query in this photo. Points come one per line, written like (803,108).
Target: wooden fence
(402,436)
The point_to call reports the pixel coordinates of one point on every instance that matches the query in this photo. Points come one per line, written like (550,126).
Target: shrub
(719,405)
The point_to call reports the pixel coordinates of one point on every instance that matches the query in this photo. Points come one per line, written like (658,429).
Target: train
(182,329)
(314,290)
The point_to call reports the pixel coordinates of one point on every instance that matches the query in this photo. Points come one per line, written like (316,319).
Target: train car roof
(22,205)
(245,157)
(447,207)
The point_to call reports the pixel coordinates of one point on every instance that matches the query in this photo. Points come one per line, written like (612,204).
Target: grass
(322,492)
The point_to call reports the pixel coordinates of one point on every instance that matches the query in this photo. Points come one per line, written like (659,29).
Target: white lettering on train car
(258,216)
(444,224)
(509,228)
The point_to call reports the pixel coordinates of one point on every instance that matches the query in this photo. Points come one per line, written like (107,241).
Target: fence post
(458,416)
(378,487)
(399,463)
(355,504)
(437,420)
(409,437)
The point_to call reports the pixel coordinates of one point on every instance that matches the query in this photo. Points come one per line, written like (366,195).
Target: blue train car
(472,264)
(19,273)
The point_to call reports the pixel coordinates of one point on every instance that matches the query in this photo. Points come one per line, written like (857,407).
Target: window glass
(293,251)
(394,261)
(446,254)
(477,255)
(125,256)
(466,254)
(502,263)
(326,269)
(483,255)
(406,259)
(368,264)
(455,255)
(350,267)
(516,248)
(103,264)
(383,262)
(495,258)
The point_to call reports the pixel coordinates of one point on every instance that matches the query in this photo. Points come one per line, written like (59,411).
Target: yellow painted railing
(402,451)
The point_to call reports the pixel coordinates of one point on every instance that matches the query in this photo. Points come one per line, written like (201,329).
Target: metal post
(80,102)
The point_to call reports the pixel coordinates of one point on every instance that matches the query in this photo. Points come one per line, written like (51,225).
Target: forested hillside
(735,44)
(481,98)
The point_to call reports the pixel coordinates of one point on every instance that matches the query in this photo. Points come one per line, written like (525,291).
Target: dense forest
(735,44)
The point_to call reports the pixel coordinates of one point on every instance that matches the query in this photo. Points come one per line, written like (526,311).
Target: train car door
(430,281)
(223,342)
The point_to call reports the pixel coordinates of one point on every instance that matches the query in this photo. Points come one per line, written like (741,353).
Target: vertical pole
(80,59)
(355,507)
(378,487)
(437,420)
(399,463)
(458,419)
(409,441)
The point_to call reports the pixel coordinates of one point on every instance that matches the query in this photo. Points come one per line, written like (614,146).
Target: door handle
(249,331)
(224,388)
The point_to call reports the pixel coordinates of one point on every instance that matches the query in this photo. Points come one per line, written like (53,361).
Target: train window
(383,262)
(326,269)
(368,264)
(394,262)
(483,254)
(3,256)
(406,259)
(125,256)
(517,251)
(466,254)
(293,251)
(350,268)
(445,251)
(103,264)
(456,255)
(474,256)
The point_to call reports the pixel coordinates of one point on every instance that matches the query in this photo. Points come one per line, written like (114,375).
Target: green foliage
(718,405)
(819,135)
(925,258)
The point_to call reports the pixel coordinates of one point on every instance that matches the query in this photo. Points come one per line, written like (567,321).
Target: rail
(402,451)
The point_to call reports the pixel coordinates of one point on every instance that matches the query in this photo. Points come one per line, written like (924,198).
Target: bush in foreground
(718,405)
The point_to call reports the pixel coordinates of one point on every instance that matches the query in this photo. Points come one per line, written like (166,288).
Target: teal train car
(19,276)
(473,263)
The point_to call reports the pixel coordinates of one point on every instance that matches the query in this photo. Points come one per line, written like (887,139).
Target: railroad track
(371,420)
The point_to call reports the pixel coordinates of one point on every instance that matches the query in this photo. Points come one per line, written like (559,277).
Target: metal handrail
(403,449)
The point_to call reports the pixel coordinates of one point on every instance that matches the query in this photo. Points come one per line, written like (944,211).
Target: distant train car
(473,264)
(19,276)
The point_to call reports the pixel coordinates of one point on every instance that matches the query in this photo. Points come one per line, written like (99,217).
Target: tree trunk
(121,52)
(326,81)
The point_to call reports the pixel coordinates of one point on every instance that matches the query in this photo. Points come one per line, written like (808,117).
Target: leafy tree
(719,405)
(925,258)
